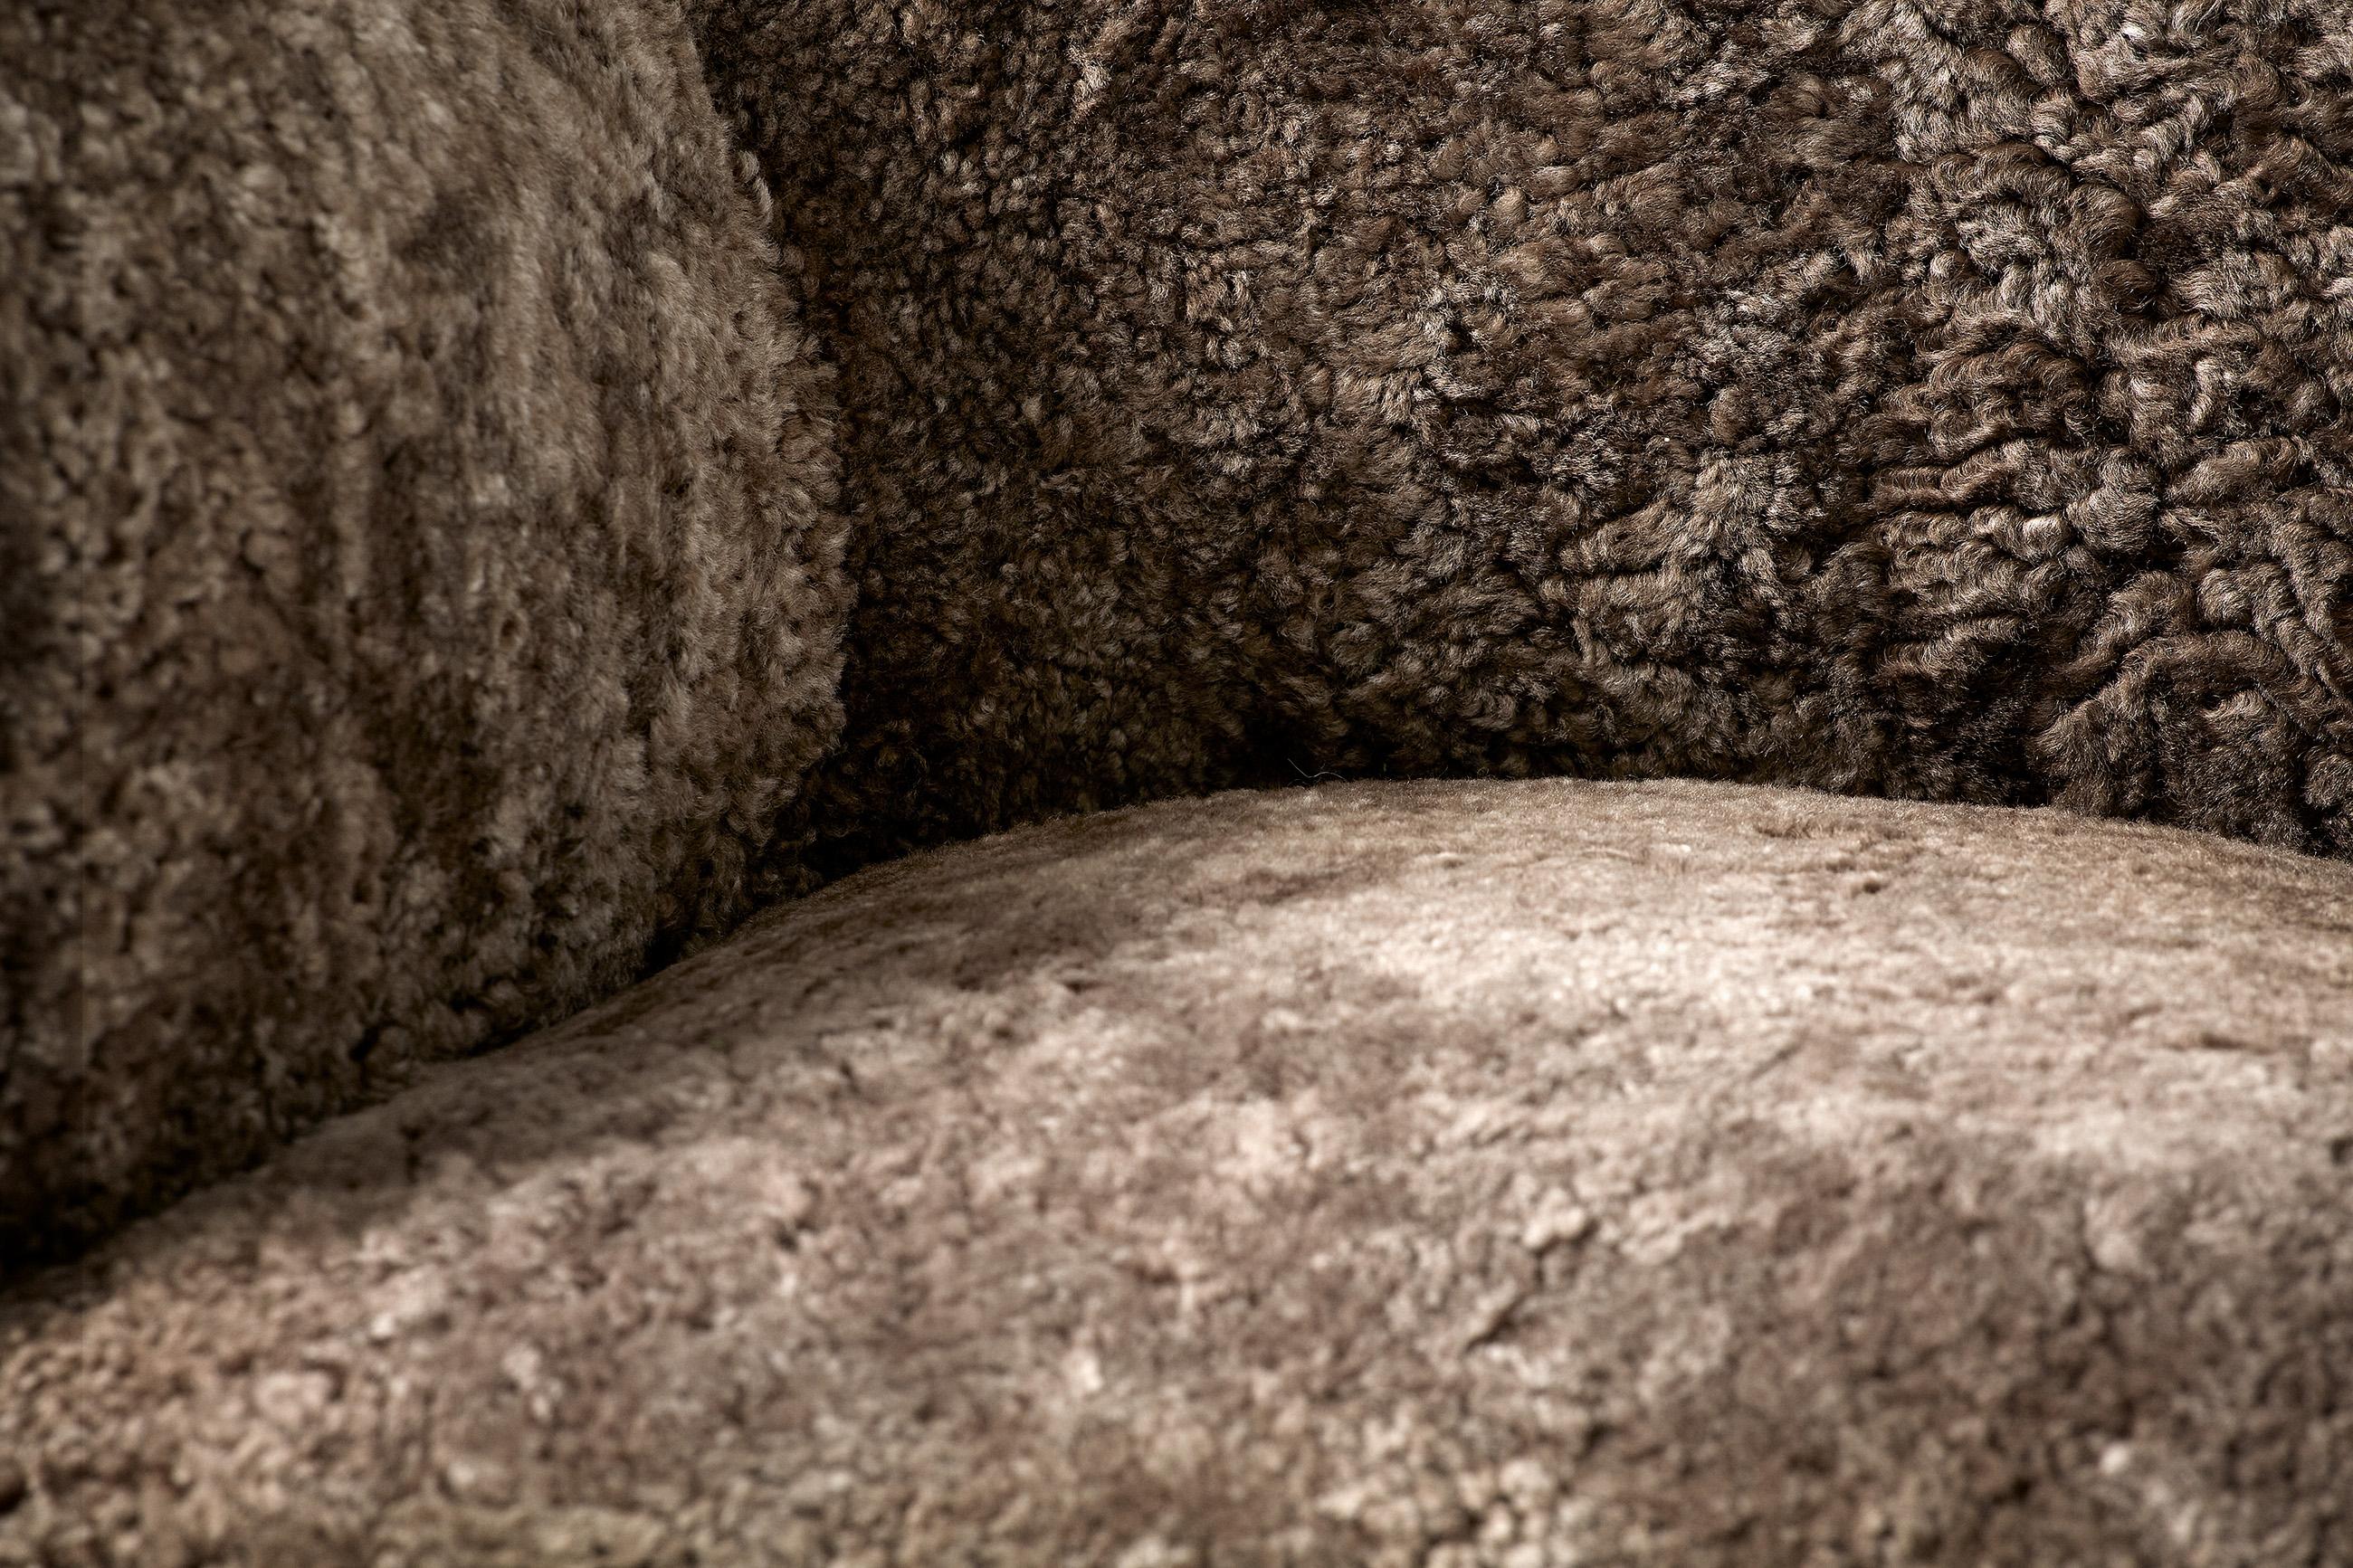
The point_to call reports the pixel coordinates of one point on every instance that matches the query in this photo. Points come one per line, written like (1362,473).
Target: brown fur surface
(1937,400)
(1434,1174)
(420,587)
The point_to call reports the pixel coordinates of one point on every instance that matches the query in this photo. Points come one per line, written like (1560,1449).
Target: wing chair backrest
(1934,401)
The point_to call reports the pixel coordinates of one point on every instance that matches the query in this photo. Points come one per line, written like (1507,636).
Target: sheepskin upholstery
(441,583)
(1419,1173)
(1939,400)
(421,587)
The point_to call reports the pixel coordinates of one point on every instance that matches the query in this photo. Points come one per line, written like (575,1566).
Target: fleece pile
(422,589)
(1941,400)
(1428,1174)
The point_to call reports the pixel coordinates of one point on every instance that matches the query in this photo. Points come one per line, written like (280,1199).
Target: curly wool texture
(1937,401)
(1428,1174)
(423,589)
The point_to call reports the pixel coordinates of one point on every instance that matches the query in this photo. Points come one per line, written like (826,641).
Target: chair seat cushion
(1443,1172)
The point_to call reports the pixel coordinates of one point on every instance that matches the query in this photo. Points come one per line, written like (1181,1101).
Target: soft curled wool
(1935,400)
(421,589)
(1420,1174)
